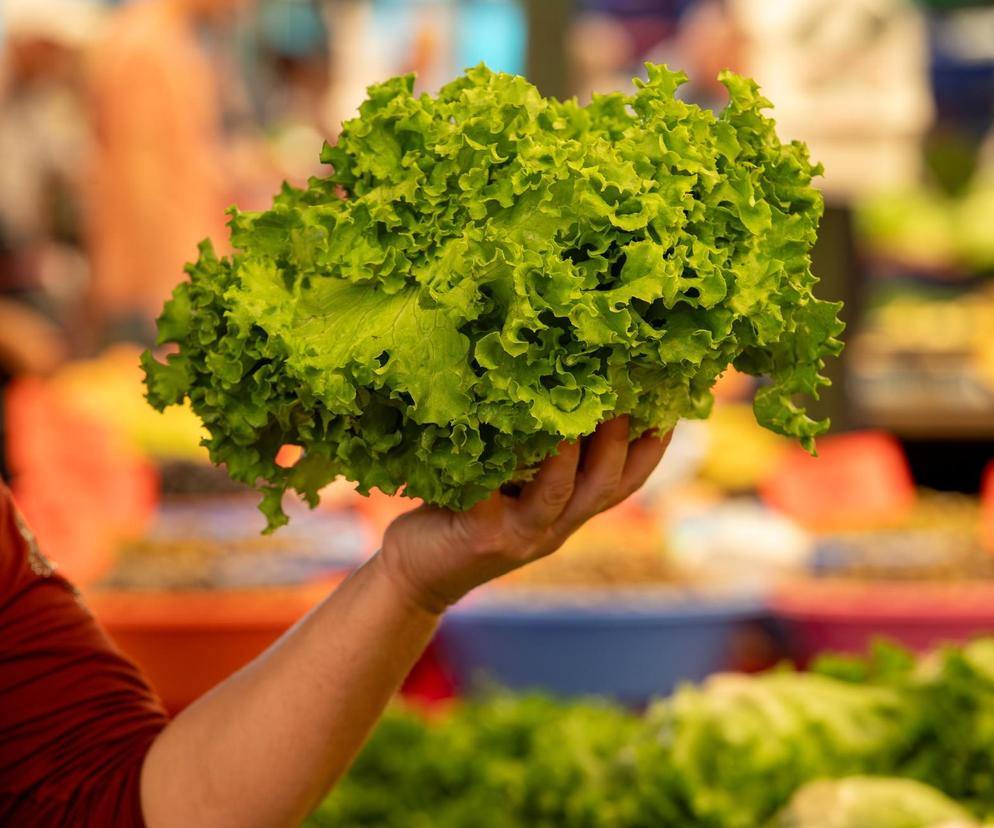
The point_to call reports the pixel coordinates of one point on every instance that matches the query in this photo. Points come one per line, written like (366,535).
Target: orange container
(187,642)
(858,480)
(81,487)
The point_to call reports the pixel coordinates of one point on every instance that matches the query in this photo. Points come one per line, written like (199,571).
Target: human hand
(435,556)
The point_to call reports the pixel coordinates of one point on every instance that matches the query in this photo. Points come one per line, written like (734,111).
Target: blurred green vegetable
(503,762)
(930,228)
(728,754)
(868,802)
(731,753)
(950,715)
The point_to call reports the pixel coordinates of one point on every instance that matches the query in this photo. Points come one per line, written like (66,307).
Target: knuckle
(608,489)
(557,494)
(620,437)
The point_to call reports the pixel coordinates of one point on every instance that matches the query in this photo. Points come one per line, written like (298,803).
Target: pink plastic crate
(845,616)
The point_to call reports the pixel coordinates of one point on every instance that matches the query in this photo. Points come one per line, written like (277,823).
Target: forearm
(265,745)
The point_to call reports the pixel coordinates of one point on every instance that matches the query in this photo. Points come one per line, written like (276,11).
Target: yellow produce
(740,454)
(109,389)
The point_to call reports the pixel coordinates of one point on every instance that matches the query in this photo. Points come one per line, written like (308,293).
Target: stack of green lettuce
(950,722)
(488,272)
(503,762)
(726,755)
(907,743)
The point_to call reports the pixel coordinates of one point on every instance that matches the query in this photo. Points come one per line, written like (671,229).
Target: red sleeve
(76,717)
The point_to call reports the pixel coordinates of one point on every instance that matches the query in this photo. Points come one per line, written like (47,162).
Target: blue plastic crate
(627,648)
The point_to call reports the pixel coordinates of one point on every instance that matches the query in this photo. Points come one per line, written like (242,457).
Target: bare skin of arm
(265,746)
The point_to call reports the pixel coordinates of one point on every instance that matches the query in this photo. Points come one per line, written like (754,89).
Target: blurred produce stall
(626,681)
(741,550)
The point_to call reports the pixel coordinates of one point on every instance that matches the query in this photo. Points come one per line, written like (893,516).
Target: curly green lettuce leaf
(487,272)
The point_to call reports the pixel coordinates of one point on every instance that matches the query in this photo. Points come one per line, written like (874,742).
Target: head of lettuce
(871,802)
(488,272)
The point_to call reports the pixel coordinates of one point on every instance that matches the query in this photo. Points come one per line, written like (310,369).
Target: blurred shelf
(936,388)
(930,423)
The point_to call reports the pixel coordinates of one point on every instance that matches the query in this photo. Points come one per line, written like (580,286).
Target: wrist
(388,563)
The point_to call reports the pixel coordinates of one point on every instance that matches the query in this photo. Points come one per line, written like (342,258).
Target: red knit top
(76,717)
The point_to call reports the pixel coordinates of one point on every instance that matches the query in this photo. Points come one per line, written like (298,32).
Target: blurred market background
(127,128)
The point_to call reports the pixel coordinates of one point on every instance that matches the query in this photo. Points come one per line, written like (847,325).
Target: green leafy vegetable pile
(950,725)
(500,763)
(725,755)
(734,752)
(487,272)
(730,753)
